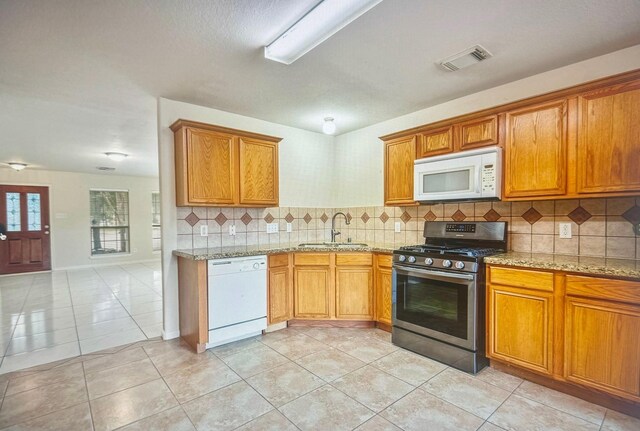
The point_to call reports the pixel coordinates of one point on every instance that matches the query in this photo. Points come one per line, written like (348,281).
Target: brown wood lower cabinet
(280,289)
(517,315)
(582,332)
(602,336)
(337,286)
(384,299)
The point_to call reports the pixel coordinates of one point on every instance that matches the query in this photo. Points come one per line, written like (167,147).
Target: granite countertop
(627,268)
(255,250)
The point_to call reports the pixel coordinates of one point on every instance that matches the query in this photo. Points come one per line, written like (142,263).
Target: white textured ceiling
(81,77)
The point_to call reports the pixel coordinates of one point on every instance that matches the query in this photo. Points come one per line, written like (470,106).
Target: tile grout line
(86,388)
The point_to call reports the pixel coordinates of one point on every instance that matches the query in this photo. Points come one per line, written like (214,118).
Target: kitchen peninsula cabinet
(224,167)
(399,155)
(536,151)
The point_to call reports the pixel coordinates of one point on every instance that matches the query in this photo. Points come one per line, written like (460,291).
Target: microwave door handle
(479,181)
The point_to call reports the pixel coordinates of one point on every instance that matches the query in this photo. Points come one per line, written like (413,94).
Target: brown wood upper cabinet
(435,142)
(399,155)
(608,153)
(475,133)
(536,151)
(224,167)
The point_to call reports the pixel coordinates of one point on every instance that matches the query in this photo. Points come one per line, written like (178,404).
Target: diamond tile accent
(307,218)
(531,215)
(458,216)
(246,218)
(192,219)
(349,217)
(492,215)
(221,219)
(324,218)
(579,215)
(365,217)
(430,216)
(405,217)
(289,218)
(269,218)
(384,217)
(632,214)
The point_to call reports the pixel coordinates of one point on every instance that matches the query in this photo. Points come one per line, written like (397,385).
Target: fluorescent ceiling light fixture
(329,126)
(116,157)
(318,25)
(17,166)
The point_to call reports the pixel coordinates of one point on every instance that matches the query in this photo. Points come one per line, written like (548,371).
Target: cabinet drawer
(322,259)
(536,280)
(603,288)
(360,259)
(276,260)
(384,260)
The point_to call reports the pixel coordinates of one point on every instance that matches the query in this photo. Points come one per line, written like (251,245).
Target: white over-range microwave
(467,175)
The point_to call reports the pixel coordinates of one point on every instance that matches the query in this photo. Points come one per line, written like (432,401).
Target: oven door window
(438,305)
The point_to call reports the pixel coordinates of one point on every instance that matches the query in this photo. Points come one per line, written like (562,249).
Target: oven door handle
(437,273)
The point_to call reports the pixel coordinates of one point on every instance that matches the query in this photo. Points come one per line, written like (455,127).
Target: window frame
(126,227)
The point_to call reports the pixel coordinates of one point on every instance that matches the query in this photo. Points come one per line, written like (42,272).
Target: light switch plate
(204,230)
(397,226)
(272,227)
(565,230)
(289,227)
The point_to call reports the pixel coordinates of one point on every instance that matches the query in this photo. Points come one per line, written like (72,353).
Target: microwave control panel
(488,177)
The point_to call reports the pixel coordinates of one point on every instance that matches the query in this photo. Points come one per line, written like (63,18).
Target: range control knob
(446,263)
(412,259)
(402,258)
(459,265)
(428,261)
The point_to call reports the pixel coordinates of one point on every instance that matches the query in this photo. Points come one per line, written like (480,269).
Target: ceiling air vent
(466,58)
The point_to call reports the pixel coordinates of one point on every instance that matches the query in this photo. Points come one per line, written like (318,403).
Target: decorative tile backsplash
(600,227)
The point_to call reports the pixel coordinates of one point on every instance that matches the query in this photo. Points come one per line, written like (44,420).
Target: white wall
(69,213)
(306,163)
(359,154)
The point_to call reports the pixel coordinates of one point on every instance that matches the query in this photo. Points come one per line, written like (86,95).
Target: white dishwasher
(237,298)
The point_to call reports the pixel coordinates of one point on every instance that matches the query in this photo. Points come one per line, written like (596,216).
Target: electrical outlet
(565,230)
(204,230)
(232,229)
(289,227)
(397,227)
(272,227)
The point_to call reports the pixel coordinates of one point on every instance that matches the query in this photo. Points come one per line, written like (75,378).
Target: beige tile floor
(50,316)
(294,379)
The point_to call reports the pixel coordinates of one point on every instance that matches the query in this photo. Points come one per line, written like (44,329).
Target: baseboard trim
(70,268)
(333,323)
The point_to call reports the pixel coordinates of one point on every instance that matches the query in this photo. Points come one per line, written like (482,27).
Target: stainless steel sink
(332,244)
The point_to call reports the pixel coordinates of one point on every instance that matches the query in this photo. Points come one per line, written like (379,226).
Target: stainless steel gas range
(439,292)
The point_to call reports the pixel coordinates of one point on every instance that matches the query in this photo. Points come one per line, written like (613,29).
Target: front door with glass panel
(24,229)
